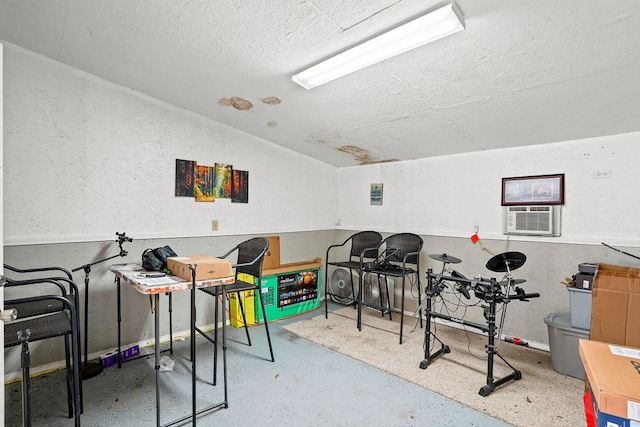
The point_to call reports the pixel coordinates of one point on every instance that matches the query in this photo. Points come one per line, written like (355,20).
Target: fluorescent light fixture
(420,31)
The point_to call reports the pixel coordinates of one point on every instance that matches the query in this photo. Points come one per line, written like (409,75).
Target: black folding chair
(41,317)
(399,257)
(359,242)
(248,266)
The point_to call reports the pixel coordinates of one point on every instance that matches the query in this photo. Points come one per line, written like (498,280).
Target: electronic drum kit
(492,292)
(448,259)
(502,263)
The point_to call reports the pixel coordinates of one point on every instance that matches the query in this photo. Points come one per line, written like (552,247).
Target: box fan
(340,287)
(374,290)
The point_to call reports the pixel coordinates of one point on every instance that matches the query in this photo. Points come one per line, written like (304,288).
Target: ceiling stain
(236,102)
(387,161)
(271,100)
(362,155)
(272,123)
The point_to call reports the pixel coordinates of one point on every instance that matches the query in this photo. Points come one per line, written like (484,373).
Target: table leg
(359,302)
(157,354)
(224,345)
(193,354)
(170,322)
(119,320)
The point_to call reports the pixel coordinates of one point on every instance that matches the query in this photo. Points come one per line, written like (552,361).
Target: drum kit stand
(492,292)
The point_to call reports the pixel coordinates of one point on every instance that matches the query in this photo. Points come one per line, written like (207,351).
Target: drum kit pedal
(490,291)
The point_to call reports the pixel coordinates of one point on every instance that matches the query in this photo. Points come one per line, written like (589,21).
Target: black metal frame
(493,295)
(155,308)
(249,261)
(34,327)
(400,252)
(31,307)
(359,243)
(194,409)
(90,371)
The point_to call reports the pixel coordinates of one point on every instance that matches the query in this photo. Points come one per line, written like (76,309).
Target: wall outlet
(602,173)
(214,225)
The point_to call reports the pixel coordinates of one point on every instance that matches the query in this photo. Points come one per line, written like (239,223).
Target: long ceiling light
(420,31)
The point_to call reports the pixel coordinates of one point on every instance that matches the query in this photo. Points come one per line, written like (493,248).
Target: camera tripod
(90,370)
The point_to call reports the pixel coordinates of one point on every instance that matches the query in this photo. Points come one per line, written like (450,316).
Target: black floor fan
(90,370)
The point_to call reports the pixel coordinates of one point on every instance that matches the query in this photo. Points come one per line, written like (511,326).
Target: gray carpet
(541,397)
(308,385)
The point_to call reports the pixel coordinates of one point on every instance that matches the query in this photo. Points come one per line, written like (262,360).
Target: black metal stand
(192,349)
(25,361)
(621,251)
(493,296)
(90,370)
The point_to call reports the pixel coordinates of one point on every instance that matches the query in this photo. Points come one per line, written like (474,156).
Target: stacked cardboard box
(615,305)
(613,374)
(272,257)
(207,267)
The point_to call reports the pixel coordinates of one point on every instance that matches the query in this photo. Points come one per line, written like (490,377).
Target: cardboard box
(272,257)
(111,358)
(304,276)
(613,373)
(207,267)
(615,305)
(293,266)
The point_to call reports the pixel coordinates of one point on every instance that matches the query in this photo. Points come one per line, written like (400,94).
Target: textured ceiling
(521,73)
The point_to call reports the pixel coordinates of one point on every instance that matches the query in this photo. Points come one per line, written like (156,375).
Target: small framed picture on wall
(376,194)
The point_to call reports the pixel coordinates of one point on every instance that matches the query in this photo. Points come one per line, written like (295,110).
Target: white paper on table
(155,281)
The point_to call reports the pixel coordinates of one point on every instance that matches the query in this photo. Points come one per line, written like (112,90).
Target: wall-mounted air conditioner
(532,220)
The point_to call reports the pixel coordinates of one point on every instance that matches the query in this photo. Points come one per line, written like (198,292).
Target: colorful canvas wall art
(184,177)
(207,183)
(223,181)
(240,187)
(204,184)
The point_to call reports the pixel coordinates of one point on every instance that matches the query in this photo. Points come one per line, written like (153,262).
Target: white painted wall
(447,196)
(442,198)
(1,222)
(85,158)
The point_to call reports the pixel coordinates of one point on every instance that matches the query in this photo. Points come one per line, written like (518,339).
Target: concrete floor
(308,385)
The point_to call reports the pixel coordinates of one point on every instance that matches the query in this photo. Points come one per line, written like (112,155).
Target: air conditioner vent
(532,220)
